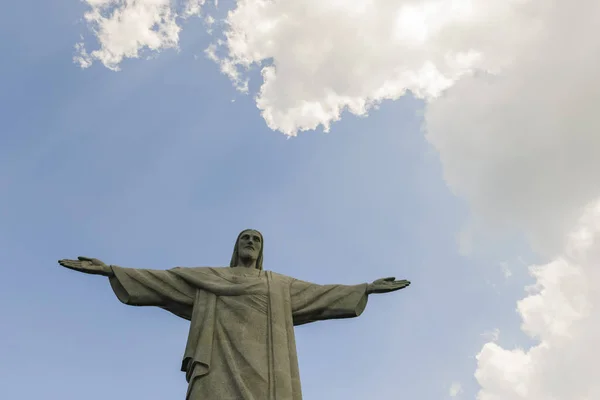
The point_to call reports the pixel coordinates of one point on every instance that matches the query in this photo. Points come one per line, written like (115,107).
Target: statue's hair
(259,260)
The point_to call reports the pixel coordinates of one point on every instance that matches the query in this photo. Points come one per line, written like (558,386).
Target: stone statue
(241,342)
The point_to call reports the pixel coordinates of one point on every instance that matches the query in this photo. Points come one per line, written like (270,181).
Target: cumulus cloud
(521,146)
(319,58)
(124,28)
(558,313)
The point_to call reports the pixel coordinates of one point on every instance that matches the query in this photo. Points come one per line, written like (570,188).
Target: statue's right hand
(88,265)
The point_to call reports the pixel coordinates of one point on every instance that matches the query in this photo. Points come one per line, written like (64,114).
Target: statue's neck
(245,263)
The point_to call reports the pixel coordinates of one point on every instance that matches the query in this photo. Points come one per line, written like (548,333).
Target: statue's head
(248,246)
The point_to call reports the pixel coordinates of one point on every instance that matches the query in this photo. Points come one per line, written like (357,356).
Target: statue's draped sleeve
(311,302)
(190,293)
(149,287)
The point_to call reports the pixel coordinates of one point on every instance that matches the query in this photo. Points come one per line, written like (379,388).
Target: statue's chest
(260,287)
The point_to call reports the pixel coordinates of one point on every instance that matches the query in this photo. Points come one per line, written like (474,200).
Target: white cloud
(192,7)
(455,389)
(326,56)
(522,148)
(124,28)
(558,313)
(209,21)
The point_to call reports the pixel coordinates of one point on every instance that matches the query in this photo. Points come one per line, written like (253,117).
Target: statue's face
(249,245)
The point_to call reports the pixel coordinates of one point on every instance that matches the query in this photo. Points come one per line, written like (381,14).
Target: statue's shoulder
(281,278)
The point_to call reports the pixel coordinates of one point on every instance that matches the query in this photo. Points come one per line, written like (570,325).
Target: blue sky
(155,167)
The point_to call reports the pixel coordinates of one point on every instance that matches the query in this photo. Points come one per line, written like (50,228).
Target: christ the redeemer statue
(241,342)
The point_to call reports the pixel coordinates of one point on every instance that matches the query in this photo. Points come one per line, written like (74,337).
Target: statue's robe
(241,342)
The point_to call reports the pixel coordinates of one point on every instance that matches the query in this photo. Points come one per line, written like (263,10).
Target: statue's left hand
(386,285)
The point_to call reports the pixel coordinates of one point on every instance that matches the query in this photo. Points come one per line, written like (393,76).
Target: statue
(241,340)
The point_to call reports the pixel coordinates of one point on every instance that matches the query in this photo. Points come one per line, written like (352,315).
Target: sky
(451,143)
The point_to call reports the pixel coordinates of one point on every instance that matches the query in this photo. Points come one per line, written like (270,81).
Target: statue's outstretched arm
(141,287)
(312,302)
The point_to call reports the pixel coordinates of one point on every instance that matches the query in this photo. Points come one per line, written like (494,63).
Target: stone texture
(241,342)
